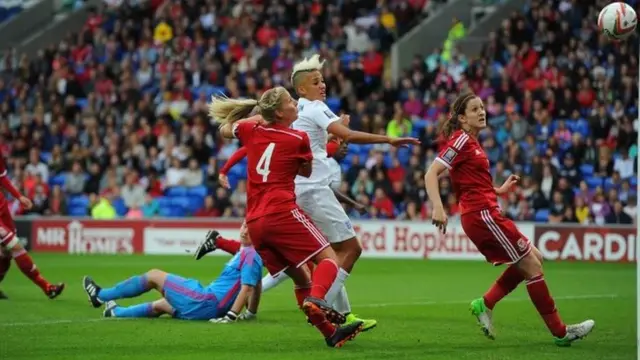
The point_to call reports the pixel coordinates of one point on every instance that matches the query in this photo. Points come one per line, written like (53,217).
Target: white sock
(269,282)
(342,302)
(337,285)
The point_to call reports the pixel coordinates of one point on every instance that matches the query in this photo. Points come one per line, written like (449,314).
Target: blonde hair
(308,64)
(227,111)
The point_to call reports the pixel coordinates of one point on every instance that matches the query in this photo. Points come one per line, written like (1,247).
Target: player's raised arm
(338,129)
(235,158)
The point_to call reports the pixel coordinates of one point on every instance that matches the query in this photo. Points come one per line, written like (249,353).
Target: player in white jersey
(314,194)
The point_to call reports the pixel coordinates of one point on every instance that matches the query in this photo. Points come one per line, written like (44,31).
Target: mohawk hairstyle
(308,64)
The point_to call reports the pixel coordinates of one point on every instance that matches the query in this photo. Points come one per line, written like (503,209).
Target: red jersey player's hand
(508,184)
(224,181)
(439,219)
(26,202)
(399,142)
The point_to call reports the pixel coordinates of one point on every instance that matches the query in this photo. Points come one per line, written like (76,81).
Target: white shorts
(327,213)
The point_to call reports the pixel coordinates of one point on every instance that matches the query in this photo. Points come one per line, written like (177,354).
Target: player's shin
(341,302)
(337,286)
(5,264)
(324,278)
(269,281)
(28,268)
(541,298)
(135,311)
(131,287)
(506,283)
(302,292)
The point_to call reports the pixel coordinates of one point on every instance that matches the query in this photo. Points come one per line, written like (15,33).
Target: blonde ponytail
(227,111)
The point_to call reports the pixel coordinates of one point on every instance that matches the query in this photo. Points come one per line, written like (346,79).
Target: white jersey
(314,117)
(335,178)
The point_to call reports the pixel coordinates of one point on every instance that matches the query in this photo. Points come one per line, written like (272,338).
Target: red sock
(230,246)
(5,264)
(29,269)
(302,292)
(541,298)
(505,284)
(323,277)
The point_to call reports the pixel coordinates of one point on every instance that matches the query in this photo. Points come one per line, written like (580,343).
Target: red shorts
(495,236)
(286,239)
(7,226)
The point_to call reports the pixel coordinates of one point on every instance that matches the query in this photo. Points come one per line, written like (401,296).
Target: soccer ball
(617,21)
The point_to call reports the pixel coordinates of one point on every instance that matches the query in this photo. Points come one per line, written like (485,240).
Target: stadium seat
(163,201)
(586,170)
(79,201)
(121,208)
(197,191)
(542,215)
(180,202)
(608,184)
(57,180)
(334,104)
(176,191)
(195,203)
(77,211)
(594,181)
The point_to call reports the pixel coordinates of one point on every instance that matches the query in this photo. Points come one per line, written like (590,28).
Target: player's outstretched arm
(439,217)
(234,313)
(254,300)
(356,205)
(338,129)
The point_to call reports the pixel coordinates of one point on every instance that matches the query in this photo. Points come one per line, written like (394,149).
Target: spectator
(600,209)
(630,209)
(193,176)
(175,174)
(102,208)
(582,213)
(133,193)
(74,182)
(399,126)
(209,208)
(239,195)
(92,184)
(383,204)
(56,204)
(624,165)
(558,208)
(150,207)
(618,216)
(37,167)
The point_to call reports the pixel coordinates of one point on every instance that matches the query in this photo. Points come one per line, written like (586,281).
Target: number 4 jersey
(274,156)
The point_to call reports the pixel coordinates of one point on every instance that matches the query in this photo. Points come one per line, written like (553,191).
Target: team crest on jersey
(449,155)
(522,245)
(329,114)
(348,225)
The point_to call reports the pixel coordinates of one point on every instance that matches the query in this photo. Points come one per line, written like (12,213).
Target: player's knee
(530,266)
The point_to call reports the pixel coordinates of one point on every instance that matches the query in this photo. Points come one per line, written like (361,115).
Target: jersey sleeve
(251,271)
(3,166)
(243,131)
(305,149)
(321,115)
(453,153)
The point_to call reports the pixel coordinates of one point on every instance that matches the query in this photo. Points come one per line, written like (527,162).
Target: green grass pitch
(421,307)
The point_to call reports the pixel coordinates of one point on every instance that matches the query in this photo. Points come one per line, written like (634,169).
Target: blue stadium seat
(121,208)
(180,202)
(200,191)
(195,203)
(608,184)
(82,102)
(334,104)
(176,191)
(79,201)
(163,201)
(586,170)
(77,211)
(57,180)
(594,181)
(165,211)
(634,182)
(542,215)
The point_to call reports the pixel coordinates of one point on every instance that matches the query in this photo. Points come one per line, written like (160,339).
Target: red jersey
(274,155)
(469,171)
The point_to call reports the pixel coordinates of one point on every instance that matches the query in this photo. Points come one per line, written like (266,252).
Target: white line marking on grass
(508,299)
(409,303)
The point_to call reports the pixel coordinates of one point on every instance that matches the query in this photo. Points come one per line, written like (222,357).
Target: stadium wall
(380,239)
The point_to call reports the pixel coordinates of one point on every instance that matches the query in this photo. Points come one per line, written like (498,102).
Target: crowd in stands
(112,122)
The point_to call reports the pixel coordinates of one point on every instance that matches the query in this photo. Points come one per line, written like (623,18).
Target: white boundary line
(408,303)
